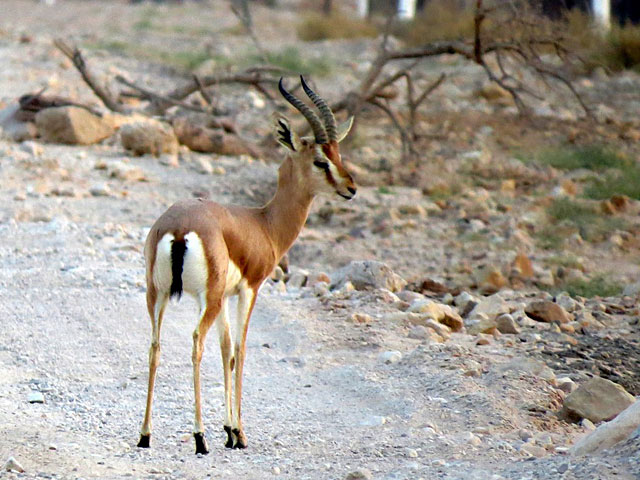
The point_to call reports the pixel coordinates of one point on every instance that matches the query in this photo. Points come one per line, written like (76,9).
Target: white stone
(609,434)
(392,356)
(35,397)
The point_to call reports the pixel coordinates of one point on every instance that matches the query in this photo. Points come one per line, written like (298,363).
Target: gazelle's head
(316,159)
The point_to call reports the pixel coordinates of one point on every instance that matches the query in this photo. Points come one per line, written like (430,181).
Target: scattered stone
(32,148)
(203,165)
(149,136)
(529,366)
(35,397)
(566,384)
(490,279)
(420,332)
(12,465)
(484,339)
(491,306)
(100,190)
(373,421)
(438,312)
(632,290)
(201,138)
(392,356)
(361,318)
(609,434)
(480,323)
(368,274)
(523,266)
(547,311)
(565,301)
(494,93)
(598,399)
(463,300)
(72,125)
(298,279)
(360,474)
(506,324)
(125,171)
(533,450)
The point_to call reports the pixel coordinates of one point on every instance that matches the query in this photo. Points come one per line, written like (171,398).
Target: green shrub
(599,286)
(593,157)
(291,59)
(585,218)
(440,20)
(624,182)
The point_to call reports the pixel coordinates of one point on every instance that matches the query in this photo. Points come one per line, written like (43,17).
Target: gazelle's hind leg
(226,352)
(246,301)
(211,310)
(156,304)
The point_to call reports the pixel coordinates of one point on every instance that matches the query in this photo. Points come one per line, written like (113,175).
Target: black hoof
(229,443)
(241,439)
(145,441)
(201,443)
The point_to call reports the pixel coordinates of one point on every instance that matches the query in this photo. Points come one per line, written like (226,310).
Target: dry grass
(440,20)
(316,27)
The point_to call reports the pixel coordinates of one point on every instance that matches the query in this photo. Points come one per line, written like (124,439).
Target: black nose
(352,190)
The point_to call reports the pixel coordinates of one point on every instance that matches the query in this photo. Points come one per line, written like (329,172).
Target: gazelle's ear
(284,134)
(344,127)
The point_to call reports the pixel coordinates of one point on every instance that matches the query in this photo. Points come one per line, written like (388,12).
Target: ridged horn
(325,112)
(316,125)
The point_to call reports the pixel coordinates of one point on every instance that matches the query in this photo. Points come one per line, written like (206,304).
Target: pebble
(276,470)
(35,397)
(100,190)
(12,465)
(361,318)
(506,324)
(373,421)
(360,474)
(533,450)
(392,356)
(412,453)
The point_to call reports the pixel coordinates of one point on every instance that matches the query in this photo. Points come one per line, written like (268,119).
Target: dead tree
(516,40)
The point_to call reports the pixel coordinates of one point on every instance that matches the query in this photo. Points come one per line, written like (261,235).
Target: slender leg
(156,305)
(246,301)
(226,351)
(211,311)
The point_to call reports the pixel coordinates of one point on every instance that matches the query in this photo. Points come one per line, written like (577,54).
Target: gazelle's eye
(321,164)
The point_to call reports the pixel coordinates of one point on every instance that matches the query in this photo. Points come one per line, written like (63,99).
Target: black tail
(178,248)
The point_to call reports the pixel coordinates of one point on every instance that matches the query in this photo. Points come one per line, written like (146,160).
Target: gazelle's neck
(287,212)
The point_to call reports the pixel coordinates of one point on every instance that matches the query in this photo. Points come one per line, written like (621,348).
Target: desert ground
(345,378)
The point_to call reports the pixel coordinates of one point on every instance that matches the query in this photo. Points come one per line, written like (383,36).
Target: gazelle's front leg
(156,304)
(246,301)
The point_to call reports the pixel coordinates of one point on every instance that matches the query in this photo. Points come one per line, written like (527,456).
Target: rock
(506,324)
(565,301)
(598,399)
(360,474)
(547,311)
(201,138)
(392,356)
(566,384)
(632,290)
(35,397)
(484,339)
(149,136)
(12,465)
(360,318)
(125,171)
(13,128)
(100,190)
(203,165)
(533,450)
(368,274)
(373,421)
(480,323)
(438,312)
(489,279)
(298,279)
(529,366)
(609,434)
(491,306)
(72,125)
(523,266)
(494,93)
(420,332)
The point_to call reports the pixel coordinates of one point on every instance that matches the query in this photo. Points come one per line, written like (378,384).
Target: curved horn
(316,125)
(325,111)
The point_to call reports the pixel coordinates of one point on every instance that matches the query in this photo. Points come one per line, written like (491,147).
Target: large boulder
(598,399)
(547,311)
(72,125)
(202,138)
(609,434)
(365,274)
(149,136)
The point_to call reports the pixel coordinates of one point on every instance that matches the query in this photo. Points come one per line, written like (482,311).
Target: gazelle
(213,252)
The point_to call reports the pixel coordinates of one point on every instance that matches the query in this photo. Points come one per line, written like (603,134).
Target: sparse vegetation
(621,182)
(618,50)
(599,286)
(440,20)
(592,157)
(337,25)
(291,59)
(591,225)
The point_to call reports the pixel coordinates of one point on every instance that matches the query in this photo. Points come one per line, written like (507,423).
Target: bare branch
(101,91)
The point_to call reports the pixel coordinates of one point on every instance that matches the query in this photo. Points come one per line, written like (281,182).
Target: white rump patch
(162,267)
(195,270)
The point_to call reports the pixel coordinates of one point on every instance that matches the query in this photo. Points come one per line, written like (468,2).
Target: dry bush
(337,25)
(440,20)
(617,50)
